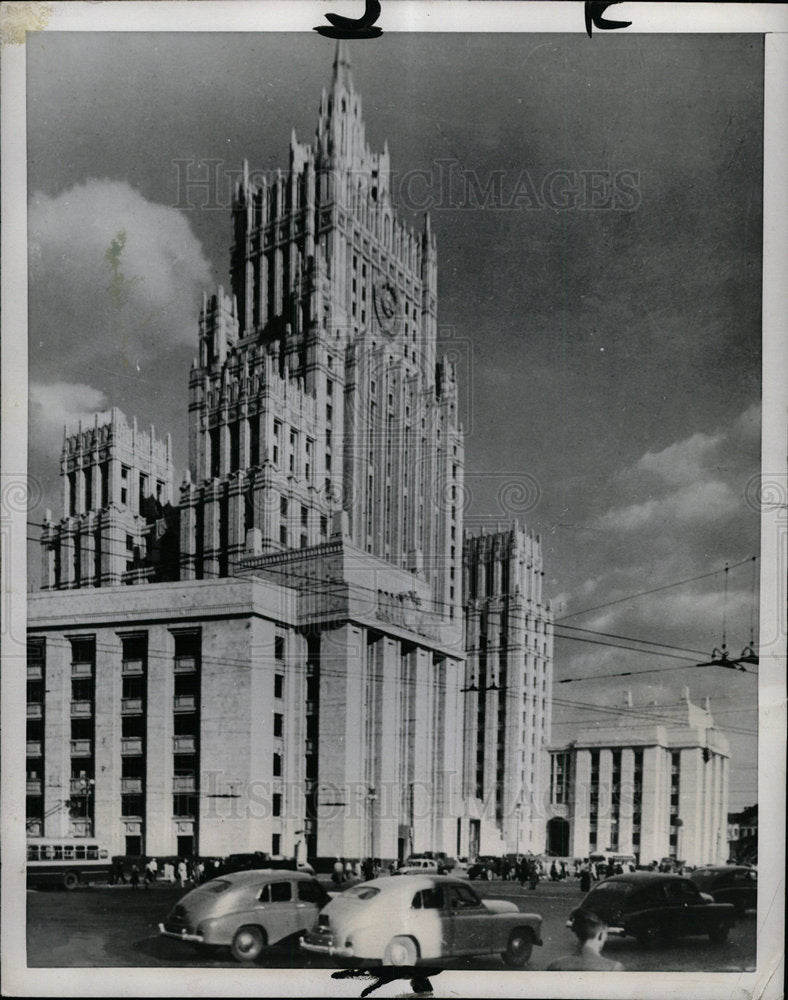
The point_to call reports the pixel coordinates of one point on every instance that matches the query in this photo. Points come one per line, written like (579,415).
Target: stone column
(57,736)
(341,750)
(581,797)
(106,793)
(626,802)
(158,745)
(604,805)
(653,819)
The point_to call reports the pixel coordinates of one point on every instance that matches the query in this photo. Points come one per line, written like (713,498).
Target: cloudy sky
(605,309)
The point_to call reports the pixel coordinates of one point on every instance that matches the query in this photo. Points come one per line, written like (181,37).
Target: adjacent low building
(653,785)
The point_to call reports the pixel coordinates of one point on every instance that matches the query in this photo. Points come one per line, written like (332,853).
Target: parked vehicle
(655,908)
(258,860)
(736,884)
(419,866)
(483,867)
(247,911)
(423,918)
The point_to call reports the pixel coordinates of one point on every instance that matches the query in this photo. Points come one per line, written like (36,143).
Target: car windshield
(361,892)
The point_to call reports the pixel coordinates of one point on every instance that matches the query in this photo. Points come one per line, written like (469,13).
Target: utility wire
(654,590)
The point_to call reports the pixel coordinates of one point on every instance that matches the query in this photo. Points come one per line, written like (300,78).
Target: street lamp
(518,810)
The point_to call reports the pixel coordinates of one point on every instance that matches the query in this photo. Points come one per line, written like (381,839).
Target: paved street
(118,926)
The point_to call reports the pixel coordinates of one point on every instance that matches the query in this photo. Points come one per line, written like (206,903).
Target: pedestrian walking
(533,875)
(135,876)
(553,872)
(151,871)
(591,933)
(183,873)
(339,872)
(585,878)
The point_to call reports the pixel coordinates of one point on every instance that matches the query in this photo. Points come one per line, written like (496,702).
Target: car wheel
(401,951)
(519,948)
(247,944)
(70,880)
(720,934)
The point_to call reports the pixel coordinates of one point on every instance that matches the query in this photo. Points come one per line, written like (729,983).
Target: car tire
(518,950)
(70,880)
(401,951)
(248,943)
(720,934)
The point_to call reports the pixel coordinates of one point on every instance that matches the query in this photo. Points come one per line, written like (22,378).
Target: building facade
(291,667)
(654,785)
(508,684)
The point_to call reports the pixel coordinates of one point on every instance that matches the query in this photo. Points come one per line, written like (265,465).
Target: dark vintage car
(735,884)
(403,921)
(483,867)
(247,911)
(655,908)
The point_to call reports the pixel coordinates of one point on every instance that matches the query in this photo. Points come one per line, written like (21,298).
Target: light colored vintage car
(403,921)
(247,911)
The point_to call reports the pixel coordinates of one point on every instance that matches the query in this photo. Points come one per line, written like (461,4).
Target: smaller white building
(654,784)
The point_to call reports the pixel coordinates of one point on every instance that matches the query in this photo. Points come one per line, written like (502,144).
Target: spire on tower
(342,73)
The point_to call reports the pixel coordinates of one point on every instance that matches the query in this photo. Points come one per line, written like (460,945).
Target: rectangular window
(276,804)
(280,891)
(129,543)
(235,447)
(277,765)
(304,516)
(254,440)
(323,526)
(124,484)
(283,507)
(278,724)
(283,534)
(329,412)
(104,472)
(279,685)
(213,444)
(187,651)
(279,647)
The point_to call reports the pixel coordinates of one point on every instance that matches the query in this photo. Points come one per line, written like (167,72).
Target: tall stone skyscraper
(317,388)
(289,675)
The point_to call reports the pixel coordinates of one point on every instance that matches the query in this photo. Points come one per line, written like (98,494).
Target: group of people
(186,872)
(346,870)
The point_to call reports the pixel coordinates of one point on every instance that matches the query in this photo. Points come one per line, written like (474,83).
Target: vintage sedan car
(419,866)
(483,867)
(655,908)
(247,911)
(737,884)
(424,918)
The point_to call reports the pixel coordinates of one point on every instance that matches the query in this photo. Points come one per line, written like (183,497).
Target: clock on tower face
(387,307)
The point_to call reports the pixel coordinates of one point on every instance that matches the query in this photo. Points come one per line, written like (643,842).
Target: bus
(66,862)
